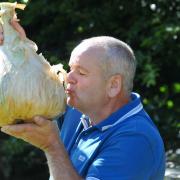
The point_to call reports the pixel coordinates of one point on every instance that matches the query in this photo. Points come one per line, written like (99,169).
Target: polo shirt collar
(128,110)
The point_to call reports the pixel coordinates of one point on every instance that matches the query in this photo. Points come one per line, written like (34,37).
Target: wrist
(53,148)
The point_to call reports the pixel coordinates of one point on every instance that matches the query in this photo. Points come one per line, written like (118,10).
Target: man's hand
(1,35)
(41,133)
(15,24)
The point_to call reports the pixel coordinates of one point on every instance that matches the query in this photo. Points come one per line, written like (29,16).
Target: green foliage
(151,28)
(19,159)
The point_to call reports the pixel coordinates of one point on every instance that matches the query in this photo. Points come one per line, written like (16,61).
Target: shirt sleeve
(128,158)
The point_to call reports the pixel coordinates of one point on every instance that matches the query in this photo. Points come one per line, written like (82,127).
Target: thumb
(40,121)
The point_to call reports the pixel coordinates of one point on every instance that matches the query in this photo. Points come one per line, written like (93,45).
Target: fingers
(40,132)
(19,129)
(16,130)
(15,23)
(1,35)
(18,27)
(40,121)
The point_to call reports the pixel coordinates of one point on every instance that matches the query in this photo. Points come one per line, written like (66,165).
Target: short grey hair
(118,58)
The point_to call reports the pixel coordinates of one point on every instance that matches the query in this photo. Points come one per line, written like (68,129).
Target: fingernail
(36,117)
(4,129)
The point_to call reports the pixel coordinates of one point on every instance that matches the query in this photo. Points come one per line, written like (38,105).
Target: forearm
(60,166)
(43,134)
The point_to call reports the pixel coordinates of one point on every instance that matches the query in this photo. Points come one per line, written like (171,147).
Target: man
(115,138)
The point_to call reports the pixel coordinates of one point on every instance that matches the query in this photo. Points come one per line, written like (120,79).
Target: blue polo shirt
(124,146)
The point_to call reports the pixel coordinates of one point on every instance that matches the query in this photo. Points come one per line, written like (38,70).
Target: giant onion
(29,85)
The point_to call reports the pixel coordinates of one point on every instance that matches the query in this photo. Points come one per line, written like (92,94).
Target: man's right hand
(15,24)
(1,35)
(41,132)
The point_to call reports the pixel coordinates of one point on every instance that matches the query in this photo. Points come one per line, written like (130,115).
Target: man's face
(86,86)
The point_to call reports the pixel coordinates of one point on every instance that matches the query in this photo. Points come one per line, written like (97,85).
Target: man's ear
(114,85)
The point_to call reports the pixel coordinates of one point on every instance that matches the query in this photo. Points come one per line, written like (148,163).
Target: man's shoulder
(139,129)
(139,124)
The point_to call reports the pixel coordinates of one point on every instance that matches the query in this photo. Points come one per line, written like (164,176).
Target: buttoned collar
(130,109)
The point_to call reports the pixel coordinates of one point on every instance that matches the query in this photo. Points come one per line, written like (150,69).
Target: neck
(99,114)
(9,32)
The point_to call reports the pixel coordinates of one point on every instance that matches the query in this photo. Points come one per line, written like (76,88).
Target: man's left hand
(41,133)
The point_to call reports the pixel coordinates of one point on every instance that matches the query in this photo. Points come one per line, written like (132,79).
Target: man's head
(116,58)
(109,65)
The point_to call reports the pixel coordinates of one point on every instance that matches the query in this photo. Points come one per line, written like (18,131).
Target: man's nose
(71,78)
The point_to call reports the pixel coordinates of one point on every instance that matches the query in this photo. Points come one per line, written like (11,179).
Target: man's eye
(82,73)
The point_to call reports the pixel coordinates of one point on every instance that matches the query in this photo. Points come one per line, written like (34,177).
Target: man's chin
(70,102)
(73,103)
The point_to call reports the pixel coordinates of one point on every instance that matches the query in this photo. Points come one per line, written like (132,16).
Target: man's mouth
(69,91)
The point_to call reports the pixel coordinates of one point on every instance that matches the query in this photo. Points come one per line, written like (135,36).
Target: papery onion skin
(29,85)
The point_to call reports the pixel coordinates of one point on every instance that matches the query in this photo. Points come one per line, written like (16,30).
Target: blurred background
(150,27)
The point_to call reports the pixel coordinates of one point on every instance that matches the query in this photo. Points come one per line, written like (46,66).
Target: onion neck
(10,34)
